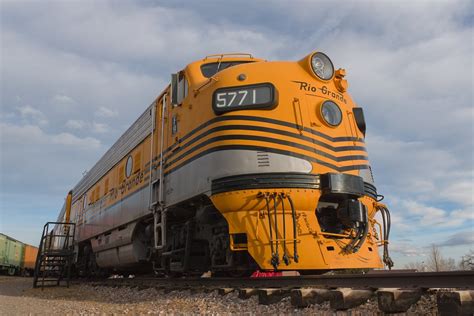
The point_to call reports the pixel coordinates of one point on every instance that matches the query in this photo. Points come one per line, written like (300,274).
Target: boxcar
(29,259)
(11,254)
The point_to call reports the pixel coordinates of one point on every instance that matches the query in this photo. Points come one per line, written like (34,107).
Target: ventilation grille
(262,159)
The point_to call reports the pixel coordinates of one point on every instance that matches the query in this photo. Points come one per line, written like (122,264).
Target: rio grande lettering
(305,86)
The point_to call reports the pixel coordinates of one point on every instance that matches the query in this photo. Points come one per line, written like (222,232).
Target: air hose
(386,223)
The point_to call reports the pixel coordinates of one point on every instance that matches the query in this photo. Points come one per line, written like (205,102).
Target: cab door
(173,131)
(179,92)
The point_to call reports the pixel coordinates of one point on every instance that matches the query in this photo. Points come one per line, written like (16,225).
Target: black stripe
(260,119)
(264,139)
(293,125)
(267,149)
(268,130)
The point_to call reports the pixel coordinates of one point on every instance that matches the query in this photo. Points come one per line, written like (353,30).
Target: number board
(259,96)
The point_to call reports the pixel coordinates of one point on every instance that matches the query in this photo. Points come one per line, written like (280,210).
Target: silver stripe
(196,177)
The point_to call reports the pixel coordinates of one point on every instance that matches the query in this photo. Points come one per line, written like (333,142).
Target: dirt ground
(17,297)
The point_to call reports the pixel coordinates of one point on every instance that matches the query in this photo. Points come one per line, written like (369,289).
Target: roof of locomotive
(197,67)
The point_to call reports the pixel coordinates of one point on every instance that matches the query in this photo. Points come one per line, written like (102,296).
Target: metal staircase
(56,255)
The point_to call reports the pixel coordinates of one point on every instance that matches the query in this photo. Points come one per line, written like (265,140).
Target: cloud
(38,162)
(37,77)
(421,169)
(30,135)
(460,238)
(60,98)
(61,103)
(94,127)
(71,140)
(407,249)
(30,114)
(105,112)
(75,124)
(422,215)
(100,128)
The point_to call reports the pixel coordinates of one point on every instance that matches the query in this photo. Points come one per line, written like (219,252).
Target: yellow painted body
(246,213)
(68,207)
(300,95)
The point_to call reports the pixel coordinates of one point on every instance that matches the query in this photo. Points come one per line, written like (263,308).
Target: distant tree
(449,264)
(467,261)
(436,261)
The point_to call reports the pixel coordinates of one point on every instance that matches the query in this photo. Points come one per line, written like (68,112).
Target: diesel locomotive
(240,164)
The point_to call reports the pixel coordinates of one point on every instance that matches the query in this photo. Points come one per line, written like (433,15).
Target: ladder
(56,255)
(156,204)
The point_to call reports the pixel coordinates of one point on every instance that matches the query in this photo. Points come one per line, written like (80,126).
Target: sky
(76,74)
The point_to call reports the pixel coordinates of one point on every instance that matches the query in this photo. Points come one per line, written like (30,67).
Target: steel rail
(424,280)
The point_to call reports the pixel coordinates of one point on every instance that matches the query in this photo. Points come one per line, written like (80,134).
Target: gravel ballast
(17,297)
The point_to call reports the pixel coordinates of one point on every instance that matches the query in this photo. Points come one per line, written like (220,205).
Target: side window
(180,88)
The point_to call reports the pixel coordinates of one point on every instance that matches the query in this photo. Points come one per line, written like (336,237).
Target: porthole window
(129,167)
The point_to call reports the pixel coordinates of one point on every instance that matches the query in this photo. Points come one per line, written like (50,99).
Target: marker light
(331,113)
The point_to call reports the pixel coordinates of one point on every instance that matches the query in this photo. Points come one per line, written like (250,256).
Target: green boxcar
(11,254)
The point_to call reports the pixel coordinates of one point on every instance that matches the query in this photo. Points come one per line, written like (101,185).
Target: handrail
(55,255)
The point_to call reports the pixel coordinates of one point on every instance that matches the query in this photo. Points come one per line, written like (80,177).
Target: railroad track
(396,292)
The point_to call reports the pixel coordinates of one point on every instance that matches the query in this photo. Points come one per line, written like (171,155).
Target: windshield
(209,70)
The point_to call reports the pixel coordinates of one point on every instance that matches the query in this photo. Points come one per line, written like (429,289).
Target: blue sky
(76,74)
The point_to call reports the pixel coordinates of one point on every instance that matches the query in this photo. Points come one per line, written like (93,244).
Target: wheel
(11,271)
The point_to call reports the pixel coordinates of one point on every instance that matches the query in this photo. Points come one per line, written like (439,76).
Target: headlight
(322,66)
(331,113)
